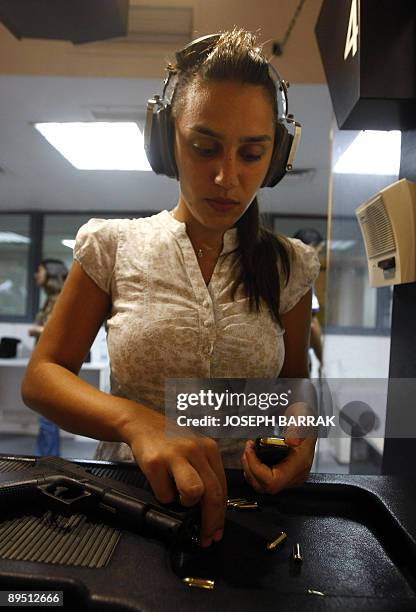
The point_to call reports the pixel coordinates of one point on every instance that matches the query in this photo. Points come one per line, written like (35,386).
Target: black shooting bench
(357,535)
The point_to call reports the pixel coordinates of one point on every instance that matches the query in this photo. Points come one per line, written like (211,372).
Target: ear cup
(281,151)
(160,152)
(159,131)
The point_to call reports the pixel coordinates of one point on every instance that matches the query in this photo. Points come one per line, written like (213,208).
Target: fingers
(293,470)
(213,501)
(258,474)
(188,482)
(215,461)
(248,475)
(172,474)
(163,486)
(213,505)
(261,477)
(298,432)
(294,439)
(193,468)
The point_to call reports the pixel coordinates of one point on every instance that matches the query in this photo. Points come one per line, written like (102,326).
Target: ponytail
(264,257)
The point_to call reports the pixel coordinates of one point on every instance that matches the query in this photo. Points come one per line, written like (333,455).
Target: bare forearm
(78,407)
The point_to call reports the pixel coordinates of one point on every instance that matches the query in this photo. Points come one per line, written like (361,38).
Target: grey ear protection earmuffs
(159,130)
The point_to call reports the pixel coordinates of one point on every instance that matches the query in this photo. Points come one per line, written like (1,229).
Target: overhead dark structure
(78,21)
(368,51)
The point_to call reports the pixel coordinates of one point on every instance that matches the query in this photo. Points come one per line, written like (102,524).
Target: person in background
(313,238)
(50,276)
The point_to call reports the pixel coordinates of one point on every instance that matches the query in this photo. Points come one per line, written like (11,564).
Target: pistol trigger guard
(66,499)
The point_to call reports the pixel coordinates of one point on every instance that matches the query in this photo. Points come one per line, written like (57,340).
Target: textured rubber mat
(13,466)
(53,538)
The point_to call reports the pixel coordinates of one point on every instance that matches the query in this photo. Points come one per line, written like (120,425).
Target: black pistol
(67,488)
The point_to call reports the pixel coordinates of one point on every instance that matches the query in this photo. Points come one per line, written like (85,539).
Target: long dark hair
(56,273)
(265,256)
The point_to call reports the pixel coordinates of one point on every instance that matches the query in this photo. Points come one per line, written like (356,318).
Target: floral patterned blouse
(165,322)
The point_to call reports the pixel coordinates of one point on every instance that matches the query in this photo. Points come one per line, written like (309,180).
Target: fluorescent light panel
(342,245)
(13,238)
(68,243)
(98,145)
(372,152)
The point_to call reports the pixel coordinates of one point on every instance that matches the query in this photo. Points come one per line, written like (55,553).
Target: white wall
(25,347)
(356,356)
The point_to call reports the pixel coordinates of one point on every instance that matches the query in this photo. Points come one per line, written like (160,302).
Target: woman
(200,291)
(50,276)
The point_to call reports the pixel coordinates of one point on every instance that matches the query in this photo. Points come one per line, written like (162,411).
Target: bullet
(314,592)
(200,583)
(247,506)
(242,504)
(277,541)
(297,553)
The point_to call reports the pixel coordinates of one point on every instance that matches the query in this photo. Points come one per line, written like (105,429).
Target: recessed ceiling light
(372,152)
(68,243)
(98,145)
(13,238)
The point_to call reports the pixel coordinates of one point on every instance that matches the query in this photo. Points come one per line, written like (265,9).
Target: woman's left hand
(292,471)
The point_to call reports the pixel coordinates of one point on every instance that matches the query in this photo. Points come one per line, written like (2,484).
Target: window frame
(36,235)
(36,230)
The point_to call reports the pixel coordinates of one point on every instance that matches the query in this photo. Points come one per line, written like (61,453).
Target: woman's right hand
(187,465)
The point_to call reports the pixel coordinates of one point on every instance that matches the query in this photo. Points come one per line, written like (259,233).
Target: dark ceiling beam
(77,21)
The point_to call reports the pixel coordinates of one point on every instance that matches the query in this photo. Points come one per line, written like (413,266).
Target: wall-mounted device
(388,225)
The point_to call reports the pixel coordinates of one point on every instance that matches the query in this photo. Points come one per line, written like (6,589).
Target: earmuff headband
(158,134)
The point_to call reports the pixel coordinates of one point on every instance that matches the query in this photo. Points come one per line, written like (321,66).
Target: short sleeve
(95,249)
(304,269)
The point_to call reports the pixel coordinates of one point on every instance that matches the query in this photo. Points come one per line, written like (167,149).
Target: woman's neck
(207,243)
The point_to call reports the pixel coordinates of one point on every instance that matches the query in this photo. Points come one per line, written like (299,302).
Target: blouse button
(206,323)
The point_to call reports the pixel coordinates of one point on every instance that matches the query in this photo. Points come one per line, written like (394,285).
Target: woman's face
(41,276)
(224,138)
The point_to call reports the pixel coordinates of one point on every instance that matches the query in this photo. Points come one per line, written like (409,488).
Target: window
(290,226)
(15,246)
(59,232)
(355,308)
(26,239)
